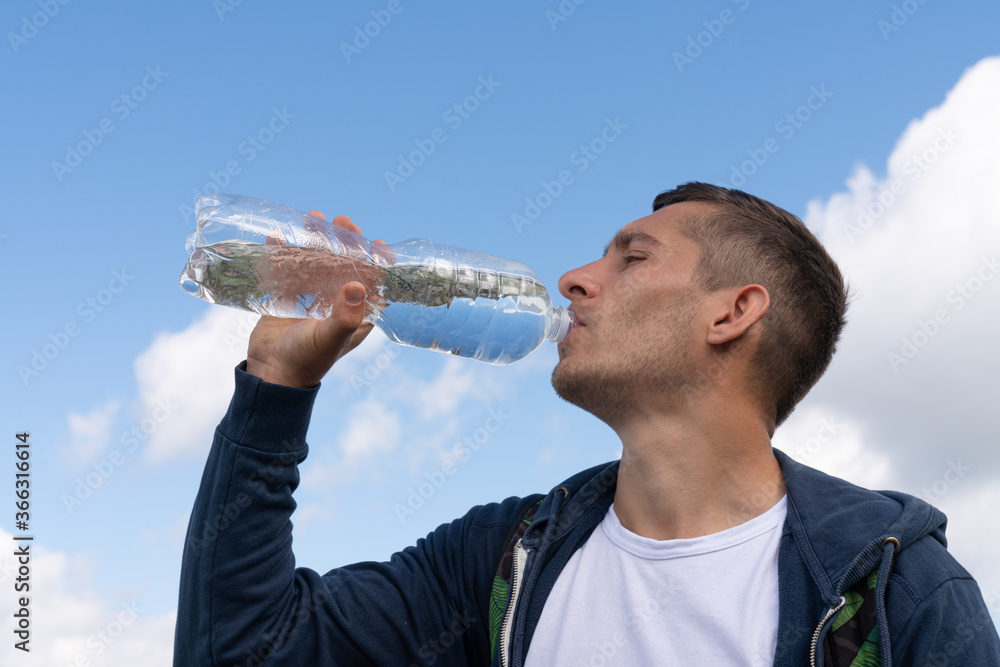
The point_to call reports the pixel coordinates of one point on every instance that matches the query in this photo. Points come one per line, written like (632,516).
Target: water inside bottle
(497,331)
(482,314)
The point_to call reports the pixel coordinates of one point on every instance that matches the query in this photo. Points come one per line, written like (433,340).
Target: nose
(580,282)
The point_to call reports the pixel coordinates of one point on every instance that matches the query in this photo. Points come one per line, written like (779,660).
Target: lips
(578,323)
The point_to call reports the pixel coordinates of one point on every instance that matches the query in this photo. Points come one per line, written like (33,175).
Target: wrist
(269,374)
(267,417)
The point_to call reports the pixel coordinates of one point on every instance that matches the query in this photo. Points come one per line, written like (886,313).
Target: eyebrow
(624,239)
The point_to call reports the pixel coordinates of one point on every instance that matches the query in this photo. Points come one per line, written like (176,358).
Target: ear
(738,310)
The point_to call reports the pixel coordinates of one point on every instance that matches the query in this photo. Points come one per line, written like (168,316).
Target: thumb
(335,332)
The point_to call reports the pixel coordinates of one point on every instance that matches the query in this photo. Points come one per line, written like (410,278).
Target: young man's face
(641,323)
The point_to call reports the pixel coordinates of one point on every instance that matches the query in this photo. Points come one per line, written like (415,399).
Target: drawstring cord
(889,547)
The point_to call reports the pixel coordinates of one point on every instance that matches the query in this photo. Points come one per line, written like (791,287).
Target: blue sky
(118,115)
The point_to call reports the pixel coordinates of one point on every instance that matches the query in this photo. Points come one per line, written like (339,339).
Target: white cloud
(90,433)
(373,431)
(917,365)
(456,399)
(70,619)
(915,378)
(171,535)
(459,381)
(186,382)
(826,439)
(307,515)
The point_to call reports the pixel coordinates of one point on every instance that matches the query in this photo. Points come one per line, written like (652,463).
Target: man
(698,331)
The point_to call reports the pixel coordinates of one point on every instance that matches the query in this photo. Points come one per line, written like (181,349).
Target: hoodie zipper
(520,557)
(819,630)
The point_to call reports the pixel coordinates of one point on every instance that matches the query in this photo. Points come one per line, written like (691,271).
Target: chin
(595,390)
(569,371)
(562,378)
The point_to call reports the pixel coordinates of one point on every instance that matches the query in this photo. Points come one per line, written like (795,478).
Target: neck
(687,475)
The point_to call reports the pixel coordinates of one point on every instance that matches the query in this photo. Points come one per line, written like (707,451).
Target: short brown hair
(750,241)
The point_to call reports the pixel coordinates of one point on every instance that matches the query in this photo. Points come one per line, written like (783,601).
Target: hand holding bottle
(299,352)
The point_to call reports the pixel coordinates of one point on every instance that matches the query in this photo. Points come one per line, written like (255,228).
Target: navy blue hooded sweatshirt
(243,601)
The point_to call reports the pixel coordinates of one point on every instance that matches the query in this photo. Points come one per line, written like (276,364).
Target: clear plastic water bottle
(275,260)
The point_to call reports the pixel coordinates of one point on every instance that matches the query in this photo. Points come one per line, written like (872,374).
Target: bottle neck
(560,321)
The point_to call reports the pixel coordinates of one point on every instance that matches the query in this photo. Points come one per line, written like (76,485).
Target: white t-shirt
(623,599)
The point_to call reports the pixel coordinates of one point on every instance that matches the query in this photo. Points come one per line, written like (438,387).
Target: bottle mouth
(561,323)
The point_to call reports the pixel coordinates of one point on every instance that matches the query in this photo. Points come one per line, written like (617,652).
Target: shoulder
(925,572)
(936,609)
(481,531)
(485,531)
(498,517)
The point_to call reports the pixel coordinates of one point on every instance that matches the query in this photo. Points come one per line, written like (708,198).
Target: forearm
(238,574)
(242,598)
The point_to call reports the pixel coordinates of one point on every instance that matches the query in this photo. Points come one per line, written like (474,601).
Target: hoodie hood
(590,490)
(846,525)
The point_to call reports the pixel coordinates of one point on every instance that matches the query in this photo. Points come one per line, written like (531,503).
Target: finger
(317,214)
(346,223)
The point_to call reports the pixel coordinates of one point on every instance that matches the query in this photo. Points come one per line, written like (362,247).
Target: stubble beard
(622,364)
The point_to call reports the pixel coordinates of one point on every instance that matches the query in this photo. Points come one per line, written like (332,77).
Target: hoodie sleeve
(951,626)
(243,601)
